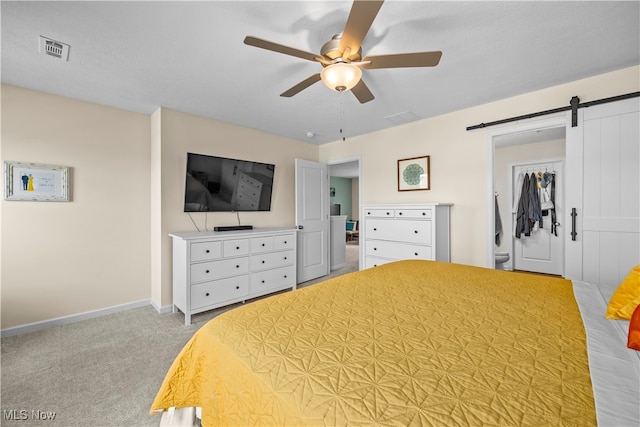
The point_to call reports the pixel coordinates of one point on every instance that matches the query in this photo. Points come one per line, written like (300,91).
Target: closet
(601,221)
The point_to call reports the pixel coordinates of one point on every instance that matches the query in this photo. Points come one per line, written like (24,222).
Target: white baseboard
(36,326)
(162,310)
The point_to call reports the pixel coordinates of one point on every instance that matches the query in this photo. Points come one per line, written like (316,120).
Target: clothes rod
(574,105)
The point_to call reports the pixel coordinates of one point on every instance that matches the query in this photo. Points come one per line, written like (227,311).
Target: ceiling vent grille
(54,48)
(402,118)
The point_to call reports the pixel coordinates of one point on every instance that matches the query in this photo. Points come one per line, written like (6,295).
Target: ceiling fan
(341,57)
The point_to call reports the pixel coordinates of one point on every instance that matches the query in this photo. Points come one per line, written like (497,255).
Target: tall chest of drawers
(396,232)
(214,269)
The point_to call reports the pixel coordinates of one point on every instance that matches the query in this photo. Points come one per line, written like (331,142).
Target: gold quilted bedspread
(407,343)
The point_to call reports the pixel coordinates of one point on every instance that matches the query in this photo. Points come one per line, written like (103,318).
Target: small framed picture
(36,182)
(413,174)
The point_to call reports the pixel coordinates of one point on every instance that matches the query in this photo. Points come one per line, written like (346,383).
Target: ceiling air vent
(54,48)
(402,118)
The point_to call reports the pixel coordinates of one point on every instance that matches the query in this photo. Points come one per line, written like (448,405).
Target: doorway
(344,176)
(525,144)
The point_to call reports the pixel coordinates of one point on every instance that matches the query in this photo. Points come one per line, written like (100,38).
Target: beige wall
(458,157)
(182,133)
(109,246)
(63,258)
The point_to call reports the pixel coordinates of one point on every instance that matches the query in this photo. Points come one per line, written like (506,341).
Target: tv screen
(220,184)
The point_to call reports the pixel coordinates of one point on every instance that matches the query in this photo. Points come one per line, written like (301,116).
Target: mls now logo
(23,414)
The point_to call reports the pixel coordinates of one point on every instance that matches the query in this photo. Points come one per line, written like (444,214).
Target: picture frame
(36,182)
(414,174)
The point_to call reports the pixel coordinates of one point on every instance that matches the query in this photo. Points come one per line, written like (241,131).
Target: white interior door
(312,219)
(603,186)
(542,251)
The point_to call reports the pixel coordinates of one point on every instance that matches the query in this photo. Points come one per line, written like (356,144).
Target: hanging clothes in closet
(529,212)
(547,182)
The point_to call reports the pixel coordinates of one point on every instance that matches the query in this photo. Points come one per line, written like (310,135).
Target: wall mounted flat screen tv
(220,184)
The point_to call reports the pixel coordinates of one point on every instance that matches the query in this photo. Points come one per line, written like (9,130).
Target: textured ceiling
(190,56)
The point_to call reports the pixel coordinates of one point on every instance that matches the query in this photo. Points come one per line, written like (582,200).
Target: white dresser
(396,232)
(214,269)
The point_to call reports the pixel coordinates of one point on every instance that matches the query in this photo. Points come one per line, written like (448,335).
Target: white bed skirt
(182,417)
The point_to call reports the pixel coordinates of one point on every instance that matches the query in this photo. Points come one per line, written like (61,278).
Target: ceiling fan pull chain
(342,117)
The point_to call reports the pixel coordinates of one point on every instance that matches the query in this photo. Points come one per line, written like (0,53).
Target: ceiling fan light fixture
(341,76)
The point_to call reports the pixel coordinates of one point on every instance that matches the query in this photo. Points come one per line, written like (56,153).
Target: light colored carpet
(99,372)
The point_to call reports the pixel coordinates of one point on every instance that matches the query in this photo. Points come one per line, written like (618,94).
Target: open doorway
(511,151)
(344,202)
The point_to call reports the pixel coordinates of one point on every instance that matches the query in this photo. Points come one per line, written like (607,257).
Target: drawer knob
(263,244)
(237,266)
(388,213)
(375,249)
(285,276)
(263,261)
(285,257)
(263,281)
(375,229)
(415,231)
(206,271)
(207,294)
(207,251)
(415,253)
(237,287)
(424,213)
(399,213)
(237,248)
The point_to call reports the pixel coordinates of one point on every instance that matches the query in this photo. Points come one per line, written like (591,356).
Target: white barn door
(603,186)
(312,219)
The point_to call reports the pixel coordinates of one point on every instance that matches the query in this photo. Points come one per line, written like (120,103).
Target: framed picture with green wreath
(413,174)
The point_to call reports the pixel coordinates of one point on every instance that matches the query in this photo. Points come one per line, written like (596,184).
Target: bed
(410,343)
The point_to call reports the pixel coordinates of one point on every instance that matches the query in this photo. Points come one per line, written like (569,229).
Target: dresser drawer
(393,250)
(278,278)
(271,260)
(236,247)
(218,291)
(218,269)
(375,262)
(379,213)
(205,251)
(414,213)
(285,241)
(411,231)
(261,244)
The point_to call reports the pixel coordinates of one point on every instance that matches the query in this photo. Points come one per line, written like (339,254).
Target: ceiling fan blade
(418,59)
(301,86)
(362,92)
(362,14)
(275,47)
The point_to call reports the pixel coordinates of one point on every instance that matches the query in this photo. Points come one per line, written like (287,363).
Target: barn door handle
(574,214)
